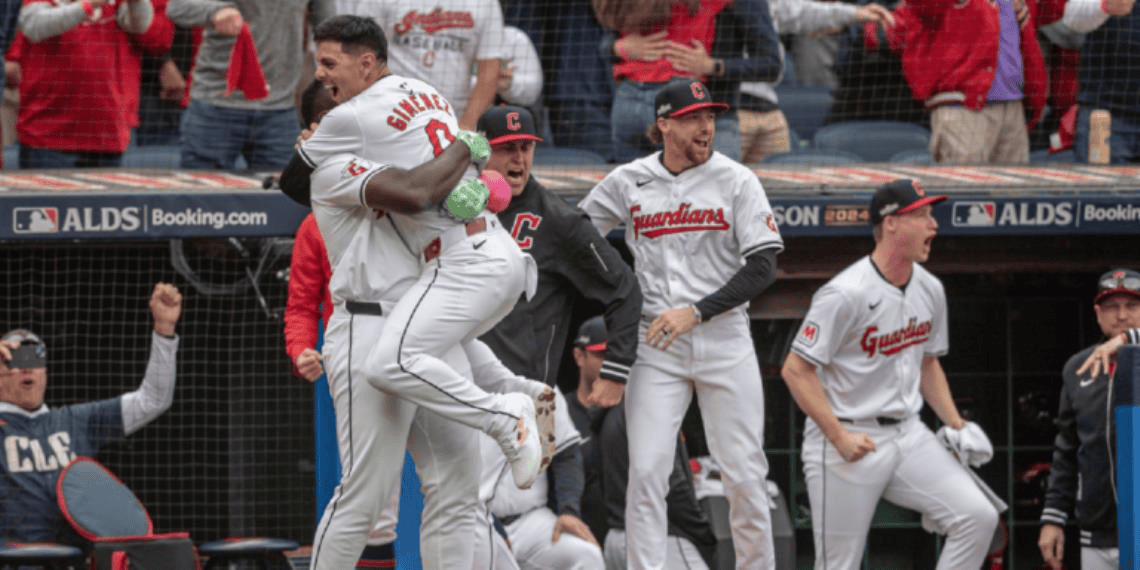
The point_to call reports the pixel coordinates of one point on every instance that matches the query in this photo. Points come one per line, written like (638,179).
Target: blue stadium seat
(812,156)
(1065,156)
(151,156)
(913,156)
(566,156)
(875,141)
(805,106)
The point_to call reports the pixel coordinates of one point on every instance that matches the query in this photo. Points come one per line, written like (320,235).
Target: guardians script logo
(683,219)
(895,342)
(434,21)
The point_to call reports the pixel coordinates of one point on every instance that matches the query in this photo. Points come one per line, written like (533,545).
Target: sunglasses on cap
(1114,282)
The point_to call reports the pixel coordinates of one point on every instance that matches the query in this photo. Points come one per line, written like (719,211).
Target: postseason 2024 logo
(35,220)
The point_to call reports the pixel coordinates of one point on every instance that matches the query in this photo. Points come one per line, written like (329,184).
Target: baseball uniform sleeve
(308,281)
(939,344)
(605,204)
(156,393)
(341,179)
(338,133)
(755,225)
(824,326)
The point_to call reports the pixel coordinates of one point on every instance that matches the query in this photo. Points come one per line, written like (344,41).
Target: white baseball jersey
(689,234)
(372,126)
(868,337)
(367,263)
(496,485)
(436,42)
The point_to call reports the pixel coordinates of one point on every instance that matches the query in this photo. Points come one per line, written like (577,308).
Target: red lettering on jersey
(434,21)
(440,102)
(525,222)
(809,332)
(355,169)
(427,101)
(397,123)
(677,221)
(894,342)
(416,103)
(409,108)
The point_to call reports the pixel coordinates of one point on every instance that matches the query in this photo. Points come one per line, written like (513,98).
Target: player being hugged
(418,270)
(865,358)
(704,243)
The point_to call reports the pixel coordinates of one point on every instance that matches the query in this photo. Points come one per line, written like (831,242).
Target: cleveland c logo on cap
(698,90)
(918,188)
(513,121)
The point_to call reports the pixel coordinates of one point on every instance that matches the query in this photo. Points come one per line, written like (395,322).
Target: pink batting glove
(500,191)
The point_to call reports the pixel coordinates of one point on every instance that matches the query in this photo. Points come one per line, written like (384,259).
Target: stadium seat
(913,156)
(875,141)
(18,555)
(812,156)
(805,107)
(566,156)
(1065,156)
(151,156)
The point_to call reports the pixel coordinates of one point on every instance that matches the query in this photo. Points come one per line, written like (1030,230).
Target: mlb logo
(35,220)
(974,214)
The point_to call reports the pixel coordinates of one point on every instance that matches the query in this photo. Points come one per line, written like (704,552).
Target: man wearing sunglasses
(1082,451)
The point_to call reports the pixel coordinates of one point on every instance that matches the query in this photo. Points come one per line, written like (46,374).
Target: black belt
(881,420)
(509,519)
(362,308)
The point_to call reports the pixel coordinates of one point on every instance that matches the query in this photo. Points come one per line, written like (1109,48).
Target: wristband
(478,146)
(88,8)
(466,201)
(696,313)
(620,45)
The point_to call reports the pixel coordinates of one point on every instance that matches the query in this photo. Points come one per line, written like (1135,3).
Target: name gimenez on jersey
(896,341)
(680,220)
(413,105)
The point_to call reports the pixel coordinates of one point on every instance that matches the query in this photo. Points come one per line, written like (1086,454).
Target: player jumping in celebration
(704,243)
(399,334)
(863,362)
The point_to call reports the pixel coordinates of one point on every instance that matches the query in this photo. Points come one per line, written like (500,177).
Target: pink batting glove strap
(500,191)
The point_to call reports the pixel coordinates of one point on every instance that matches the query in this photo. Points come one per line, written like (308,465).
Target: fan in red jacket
(977,66)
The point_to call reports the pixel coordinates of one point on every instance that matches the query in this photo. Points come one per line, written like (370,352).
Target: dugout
(1019,250)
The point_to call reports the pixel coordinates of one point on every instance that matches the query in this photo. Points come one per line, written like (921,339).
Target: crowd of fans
(219,79)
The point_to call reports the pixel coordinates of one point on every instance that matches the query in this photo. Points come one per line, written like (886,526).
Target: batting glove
(478,146)
(500,191)
(466,201)
(970,444)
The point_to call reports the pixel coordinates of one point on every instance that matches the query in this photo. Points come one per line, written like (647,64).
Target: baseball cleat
(520,444)
(544,417)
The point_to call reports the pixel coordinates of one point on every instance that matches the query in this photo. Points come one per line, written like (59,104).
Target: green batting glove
(467,200)
(479,147)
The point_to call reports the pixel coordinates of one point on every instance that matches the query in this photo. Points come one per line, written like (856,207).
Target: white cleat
(544,417)
(520,444)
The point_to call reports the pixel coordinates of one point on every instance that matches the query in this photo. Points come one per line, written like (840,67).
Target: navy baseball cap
(1117,282)
(592,335)
(507,123)
(31,353)
(682,97)
(900,197)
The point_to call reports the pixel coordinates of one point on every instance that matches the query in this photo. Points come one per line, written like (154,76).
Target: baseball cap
(1117,281)
(507,123)
(682,97)
(900,197)
(592,336)
(32,353)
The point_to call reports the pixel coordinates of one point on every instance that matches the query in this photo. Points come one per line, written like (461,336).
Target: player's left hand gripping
(478,146)
(466,200)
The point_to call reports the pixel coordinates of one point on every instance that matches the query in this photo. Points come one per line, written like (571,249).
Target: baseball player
(574,263)
(704,243)
(863,362)
(1082,476)
(39,441)
(541,534)
(440,43)
(375,271)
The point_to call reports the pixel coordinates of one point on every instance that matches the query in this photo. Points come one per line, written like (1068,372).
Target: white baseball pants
(530,540)
(680,553)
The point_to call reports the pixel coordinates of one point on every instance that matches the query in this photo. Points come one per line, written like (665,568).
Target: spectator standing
(216,127)
(1108,80)
(1082,481)
(440,43)
(977,66)
(51,437)
(78,103)
(574,263)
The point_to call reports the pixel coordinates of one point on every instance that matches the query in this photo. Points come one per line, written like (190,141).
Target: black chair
(264,552)
(14,555)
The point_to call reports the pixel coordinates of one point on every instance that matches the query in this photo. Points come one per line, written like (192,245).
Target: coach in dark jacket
(574,262)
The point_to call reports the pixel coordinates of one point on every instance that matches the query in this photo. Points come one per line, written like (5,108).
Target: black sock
(378,556)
